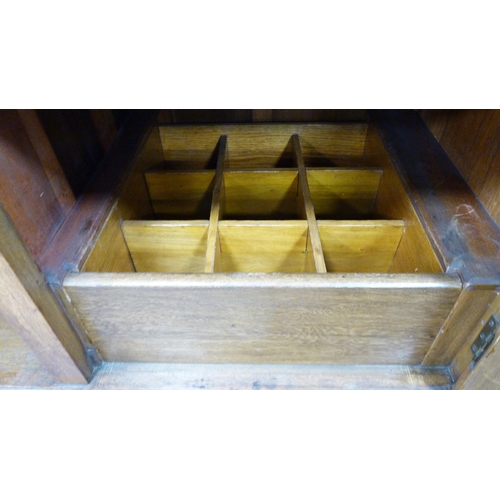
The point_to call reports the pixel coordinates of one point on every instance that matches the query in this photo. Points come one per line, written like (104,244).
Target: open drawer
(263,244)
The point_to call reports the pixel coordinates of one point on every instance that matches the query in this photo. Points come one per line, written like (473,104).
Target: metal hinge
(484,339)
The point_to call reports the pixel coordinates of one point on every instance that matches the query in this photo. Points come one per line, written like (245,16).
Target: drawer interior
(236,199)
(276,243)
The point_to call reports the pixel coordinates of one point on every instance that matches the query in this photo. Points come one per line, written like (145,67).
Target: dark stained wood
(105,126)
(212,115)
(471,138)
(32,310)
(47,158)
(465,237)
(25,190)
(76,237)
(464,319)
(75,142)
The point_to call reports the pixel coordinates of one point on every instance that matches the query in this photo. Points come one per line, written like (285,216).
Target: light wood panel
(181,195)
(264,146)
(18,365)
(343,194)
(134,201)
(221,318)
(187,376)
(415,253)
(110,253)
(360,246)
(208,376)
(265,247)
(167,247)
(271,194)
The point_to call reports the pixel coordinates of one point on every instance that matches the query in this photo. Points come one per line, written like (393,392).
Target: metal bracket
(484,339)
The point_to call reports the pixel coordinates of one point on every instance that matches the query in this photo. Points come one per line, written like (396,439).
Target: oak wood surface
(308,208)
(415,253)
(181,195)
(265,247)
(167,247)
(72,244)
(463,234)
(48,159)
(343,194)
(270,194)
(25,190)
(32,310)
(134,201)
(110,252)
(255,146)
(18,365)
(261,318)
(461,367)
(185,376)
(460,326)
(360,246)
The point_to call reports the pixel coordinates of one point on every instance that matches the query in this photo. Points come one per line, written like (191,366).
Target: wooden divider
(215,210)
(263,220)
(305,195)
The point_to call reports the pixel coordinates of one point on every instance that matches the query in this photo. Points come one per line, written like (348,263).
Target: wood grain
(48,159)
(181,195)
(260,318)
(30,307)
(72,244)
(461,368)
(308,208)
(343,194)
(486,373)
(415,253)
(264,145)
(213,246)
(265,247)
(134,201)
(186,376)
(25,190)
(271,194)
(167,247)
(464,235)
(360,246)
(464,319)
(18,365)
(110,253)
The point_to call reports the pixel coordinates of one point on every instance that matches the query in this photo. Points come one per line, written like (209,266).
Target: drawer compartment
(263,244)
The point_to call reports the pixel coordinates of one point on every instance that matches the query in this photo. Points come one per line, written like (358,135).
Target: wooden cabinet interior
(273,243)
(333,244)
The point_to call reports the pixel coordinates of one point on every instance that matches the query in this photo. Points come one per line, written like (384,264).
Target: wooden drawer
(263,244)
